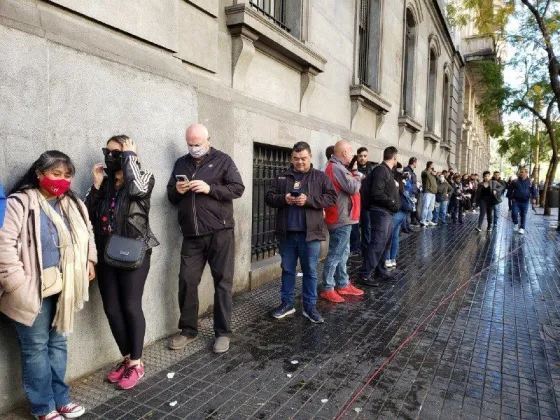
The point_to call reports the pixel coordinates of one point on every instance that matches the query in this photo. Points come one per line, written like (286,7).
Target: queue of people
(52,244)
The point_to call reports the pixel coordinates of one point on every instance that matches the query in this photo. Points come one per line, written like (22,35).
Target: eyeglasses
(113,153)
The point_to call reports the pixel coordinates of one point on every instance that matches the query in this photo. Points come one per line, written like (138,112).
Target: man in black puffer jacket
(383,200)
(203,184)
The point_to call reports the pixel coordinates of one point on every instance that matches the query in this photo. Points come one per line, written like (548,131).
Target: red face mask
(55,186)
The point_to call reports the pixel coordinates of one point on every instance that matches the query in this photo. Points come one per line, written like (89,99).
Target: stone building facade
(261,74)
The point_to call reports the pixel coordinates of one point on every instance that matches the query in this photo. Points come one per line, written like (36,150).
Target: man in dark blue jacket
(521,191)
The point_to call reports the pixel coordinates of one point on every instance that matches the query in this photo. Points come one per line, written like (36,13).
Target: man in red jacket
(340,219)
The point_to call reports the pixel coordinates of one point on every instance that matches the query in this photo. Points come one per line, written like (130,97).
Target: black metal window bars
(267,162)
(363,33)
(274,10)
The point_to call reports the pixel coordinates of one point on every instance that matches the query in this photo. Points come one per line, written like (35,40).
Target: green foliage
(488,19)
(493,97)
(520,142)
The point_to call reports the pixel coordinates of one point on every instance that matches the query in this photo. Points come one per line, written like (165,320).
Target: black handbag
(126,253)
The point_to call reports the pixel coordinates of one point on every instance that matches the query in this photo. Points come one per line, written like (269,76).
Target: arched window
(432,86)
(445,109)
(407,96)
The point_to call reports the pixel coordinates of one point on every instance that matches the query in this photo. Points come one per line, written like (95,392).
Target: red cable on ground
(415,332)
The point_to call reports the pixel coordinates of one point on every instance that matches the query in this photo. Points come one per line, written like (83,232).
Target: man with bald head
(340,218)
(203,184)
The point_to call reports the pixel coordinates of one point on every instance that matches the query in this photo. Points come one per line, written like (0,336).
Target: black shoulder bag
(125,253)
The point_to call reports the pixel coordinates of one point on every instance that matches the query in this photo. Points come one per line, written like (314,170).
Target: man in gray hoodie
(340,218)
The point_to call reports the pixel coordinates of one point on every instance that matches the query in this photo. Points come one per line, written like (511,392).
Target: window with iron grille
(267,162)
(275,10)
(363,33)
(369,43)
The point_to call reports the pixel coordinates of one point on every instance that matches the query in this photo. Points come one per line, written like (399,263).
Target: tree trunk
(548,181)
(553,160)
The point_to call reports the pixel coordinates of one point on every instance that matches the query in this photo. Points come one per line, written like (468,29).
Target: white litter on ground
(358,410)
(299,275)
(289,375)
(170,375)
(294,362)
(324,400)
(173,404)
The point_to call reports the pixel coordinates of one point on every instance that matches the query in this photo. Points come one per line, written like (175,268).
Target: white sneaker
(430,223)
(521,231)
(394,263)
(515,228)
(388,264)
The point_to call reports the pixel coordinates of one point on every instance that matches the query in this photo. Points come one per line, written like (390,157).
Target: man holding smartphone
(203,184)
(343,172)
(300,194)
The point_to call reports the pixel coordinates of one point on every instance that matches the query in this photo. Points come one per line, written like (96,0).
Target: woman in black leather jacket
(119,204)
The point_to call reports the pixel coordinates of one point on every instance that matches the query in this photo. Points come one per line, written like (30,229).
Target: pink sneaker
(53,415)
(71,411)
(118,371)
(131,376)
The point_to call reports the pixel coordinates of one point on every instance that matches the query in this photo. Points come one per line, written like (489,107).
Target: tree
(536,41)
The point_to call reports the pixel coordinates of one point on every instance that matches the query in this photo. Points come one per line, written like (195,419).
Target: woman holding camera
(119,206)
(47,257)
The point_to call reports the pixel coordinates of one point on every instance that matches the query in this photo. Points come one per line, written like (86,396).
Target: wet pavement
(470,329)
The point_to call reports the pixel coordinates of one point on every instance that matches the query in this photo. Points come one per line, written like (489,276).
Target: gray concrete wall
(72,75)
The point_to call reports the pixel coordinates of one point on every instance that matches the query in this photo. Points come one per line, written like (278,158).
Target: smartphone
(352,162)
(295,193)
(182,178)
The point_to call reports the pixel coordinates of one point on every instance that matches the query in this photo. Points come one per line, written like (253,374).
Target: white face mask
(197,151)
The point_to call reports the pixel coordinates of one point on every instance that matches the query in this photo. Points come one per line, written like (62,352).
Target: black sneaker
(283,310)
(311,313)
(385,278)
(366,282)
(489,229)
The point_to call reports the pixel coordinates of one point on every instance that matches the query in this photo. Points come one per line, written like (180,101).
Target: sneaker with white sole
(430,223)
(394,263)
(53,415)
(515,228)
(310,312)
(71,411)
(521,231)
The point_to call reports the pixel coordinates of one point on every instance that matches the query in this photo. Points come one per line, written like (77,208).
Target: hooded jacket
(203,214)
(320,195)
(347,185)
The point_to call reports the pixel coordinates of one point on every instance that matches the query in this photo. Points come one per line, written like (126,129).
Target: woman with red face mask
(47,257)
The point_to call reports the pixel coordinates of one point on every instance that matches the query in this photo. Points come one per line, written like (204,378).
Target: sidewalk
(440,343)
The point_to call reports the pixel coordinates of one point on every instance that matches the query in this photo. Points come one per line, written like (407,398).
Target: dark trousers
(365,227)
(381,234)
(355,238)
(486,209)
(452,205)
(218,249)
(121,292)
(458,210)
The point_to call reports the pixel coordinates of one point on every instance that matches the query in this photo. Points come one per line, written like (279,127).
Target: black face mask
(113,160)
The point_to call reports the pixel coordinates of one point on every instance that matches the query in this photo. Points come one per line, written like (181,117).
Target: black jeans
(218,249)
(458,209)
(486,208)
(121,292)
(381,234)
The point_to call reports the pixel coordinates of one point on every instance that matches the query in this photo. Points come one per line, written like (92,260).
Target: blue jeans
(496,213)
(43,361)
(398,219)
(293,247)
(355,238)
(334,272)
(428,201)
(518,207)
(441,212)
(381,231)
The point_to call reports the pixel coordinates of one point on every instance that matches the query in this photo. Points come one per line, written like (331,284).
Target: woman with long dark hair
(487,195)
(119,205)
(47,257)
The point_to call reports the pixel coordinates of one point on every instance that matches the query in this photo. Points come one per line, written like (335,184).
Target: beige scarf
(74,245)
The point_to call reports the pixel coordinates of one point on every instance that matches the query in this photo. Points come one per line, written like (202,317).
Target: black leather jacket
(133,203)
